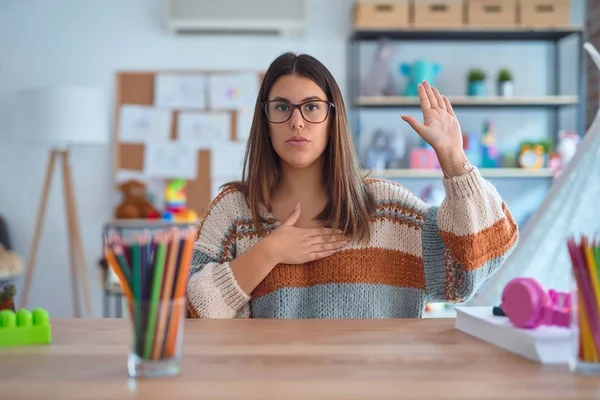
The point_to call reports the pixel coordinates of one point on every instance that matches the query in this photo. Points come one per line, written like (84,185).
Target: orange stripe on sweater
(473,251)
(370,266)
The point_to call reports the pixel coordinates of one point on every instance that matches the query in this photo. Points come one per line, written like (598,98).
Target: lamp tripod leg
(39,225)
(78,265)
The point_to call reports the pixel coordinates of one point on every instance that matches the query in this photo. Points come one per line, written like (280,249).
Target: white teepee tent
(571,207)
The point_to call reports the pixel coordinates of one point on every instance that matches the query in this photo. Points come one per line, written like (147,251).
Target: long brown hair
(350,203)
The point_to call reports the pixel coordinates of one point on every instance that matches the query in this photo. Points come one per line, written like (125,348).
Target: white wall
(72,41)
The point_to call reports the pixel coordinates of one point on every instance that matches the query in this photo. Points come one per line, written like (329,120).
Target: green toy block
(25,327)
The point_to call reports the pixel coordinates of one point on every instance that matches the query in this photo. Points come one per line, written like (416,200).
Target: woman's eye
(311,107)
(281,107)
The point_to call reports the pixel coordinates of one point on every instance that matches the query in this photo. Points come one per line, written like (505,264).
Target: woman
(305,235)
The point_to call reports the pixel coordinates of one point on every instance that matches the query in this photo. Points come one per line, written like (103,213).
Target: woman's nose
(296,120)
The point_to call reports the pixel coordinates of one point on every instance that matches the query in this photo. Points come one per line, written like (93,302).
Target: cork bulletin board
(138,88)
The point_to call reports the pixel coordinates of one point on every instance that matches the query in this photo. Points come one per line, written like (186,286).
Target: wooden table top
(287,359)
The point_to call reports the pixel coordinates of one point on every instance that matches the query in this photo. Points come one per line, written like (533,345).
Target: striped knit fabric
(417,254)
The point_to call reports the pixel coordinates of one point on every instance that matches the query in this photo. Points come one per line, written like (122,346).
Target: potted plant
(476,82)
(505,83)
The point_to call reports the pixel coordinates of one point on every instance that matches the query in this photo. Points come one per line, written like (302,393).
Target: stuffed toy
(417,72)
(7,297)
(380,78)
(135,203)
(11,264)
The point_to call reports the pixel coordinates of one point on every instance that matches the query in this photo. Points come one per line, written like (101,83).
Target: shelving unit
(470,102)
(485,172)
(555,102)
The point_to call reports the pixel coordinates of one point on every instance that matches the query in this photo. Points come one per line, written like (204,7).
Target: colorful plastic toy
(25,327)
(175,199)
(528,305)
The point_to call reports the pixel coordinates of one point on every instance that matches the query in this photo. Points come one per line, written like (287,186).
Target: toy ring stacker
(528,305)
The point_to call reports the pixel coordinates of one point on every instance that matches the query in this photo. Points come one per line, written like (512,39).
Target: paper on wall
(227,159)
(180,91)
(233,91)
(143,124)
(201,129)
(244,124)
(170,159)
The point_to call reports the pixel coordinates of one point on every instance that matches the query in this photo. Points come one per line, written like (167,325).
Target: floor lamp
(59,119)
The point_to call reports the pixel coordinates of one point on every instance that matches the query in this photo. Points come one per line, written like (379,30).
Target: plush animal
(566,149)
(380,79)
(417,72)
(567,146)
(11,264)
(135,203)
(381,152)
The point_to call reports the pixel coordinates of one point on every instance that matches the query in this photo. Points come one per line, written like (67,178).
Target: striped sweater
(417,253)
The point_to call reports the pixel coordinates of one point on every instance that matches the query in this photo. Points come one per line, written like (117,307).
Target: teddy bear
(11,264)
(135,203)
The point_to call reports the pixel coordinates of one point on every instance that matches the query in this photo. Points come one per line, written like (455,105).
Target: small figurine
(175,199)
(7,297)
(490,157)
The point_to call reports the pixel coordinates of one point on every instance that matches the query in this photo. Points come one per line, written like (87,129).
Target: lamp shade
(61,116)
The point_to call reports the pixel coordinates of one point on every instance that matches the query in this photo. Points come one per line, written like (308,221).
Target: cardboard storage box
(381,14)
(544,13)
(491,13)
(438,14)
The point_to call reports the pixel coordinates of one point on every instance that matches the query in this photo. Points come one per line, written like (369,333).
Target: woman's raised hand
(440,128)
(289,244)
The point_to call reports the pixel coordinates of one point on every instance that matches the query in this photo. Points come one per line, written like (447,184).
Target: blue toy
(417,72)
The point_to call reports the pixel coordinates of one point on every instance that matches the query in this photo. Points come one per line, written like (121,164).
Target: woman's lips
(297,141)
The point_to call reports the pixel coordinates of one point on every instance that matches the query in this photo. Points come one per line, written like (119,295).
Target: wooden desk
(287,359)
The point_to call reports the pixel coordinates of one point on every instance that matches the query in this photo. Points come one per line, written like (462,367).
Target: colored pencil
(178,294)
(153,271)
(585,261)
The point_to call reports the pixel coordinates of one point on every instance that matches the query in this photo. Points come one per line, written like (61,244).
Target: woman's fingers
(430,95)
(320,255)
(327,239)
(449,106)
(438,96)
(323,232)
(423,98)
(324,249)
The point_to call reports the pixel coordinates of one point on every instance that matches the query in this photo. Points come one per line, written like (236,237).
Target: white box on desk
(545,345)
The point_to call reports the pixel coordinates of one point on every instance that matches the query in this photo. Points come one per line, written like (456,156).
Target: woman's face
(302,138)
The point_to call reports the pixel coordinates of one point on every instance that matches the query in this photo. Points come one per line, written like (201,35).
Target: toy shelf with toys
(470,101)
(520,123)
(136,204)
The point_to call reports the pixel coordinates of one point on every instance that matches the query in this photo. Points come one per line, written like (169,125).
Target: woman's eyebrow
(279,98)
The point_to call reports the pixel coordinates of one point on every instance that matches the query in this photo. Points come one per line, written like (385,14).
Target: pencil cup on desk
(585,304)
(153,272)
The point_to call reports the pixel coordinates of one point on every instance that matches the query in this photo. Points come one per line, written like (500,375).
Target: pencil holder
(585,303)
(153,272)
(156,347)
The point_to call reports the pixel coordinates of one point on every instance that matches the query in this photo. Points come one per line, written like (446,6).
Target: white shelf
(471,101)
(485,172)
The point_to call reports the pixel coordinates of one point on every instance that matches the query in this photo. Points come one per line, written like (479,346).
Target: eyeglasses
(313,111)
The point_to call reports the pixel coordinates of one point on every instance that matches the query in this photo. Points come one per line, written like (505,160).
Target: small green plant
(504,75)
(476,75)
